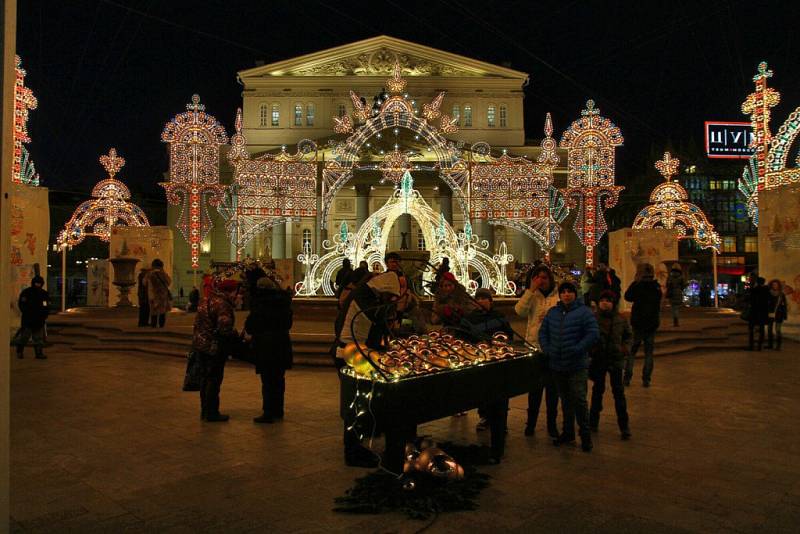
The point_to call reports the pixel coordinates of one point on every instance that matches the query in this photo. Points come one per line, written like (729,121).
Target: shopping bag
(193,379)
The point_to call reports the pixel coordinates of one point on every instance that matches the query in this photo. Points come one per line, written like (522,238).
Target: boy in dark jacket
(608,357)
(33,304)
(567,333)
(645,294)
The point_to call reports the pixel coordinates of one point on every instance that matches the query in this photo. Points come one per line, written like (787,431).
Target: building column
(362,204)
(289,240)
(446,203)
(522,247)
(404,226)
(278,249)
(484,230)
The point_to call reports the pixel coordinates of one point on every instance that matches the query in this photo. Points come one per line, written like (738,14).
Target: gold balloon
(349,352)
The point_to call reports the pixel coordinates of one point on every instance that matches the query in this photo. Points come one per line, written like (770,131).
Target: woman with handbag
(158,294)
(776,308)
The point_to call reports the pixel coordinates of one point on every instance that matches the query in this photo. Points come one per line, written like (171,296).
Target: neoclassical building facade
(315,98)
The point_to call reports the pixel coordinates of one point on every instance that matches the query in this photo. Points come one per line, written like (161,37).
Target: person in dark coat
(267,328)
(608,358)
(343,276)
(600,282)
(213,324)
(481,325)
(616,282)
(34,304)
(361,271)
(675,287)
(758,301)
(645,294)
(777,314)
(567,333)
(144,302)
(194,299)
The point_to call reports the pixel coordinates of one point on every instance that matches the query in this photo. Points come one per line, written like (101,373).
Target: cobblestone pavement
(108,442)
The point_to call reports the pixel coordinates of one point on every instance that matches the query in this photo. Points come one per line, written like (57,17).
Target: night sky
(111,73)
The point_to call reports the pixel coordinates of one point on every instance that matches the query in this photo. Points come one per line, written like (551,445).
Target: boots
(586,443)
(39,351)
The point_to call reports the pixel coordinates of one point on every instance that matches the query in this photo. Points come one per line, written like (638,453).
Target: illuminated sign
(730,140)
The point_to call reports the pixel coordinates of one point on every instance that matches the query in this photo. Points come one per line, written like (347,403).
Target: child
(608,356)
(481,324)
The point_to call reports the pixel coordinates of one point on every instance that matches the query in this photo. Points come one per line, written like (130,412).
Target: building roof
(376,57)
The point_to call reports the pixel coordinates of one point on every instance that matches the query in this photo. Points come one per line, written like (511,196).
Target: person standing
(586,284)
(758,298)
(567,333)
(213,324)
(777,314)
(141,294)
(194,299)
(267,328)
(451,302)
(34,304)
(675,287)
(343,276)
(539,297)
(645,294)
(158,295)
(608,358)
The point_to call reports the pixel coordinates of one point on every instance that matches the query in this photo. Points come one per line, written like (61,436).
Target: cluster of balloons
(430,353)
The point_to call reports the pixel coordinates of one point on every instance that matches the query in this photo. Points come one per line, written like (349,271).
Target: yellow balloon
(349,352)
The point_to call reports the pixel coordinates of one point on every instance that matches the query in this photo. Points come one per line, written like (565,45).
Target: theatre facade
(323,142)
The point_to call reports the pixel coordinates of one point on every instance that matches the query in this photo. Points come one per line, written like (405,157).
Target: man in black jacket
(758,300)
(33,303)
(645,294)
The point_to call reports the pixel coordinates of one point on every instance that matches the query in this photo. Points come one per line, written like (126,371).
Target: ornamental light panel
(24,171)
(108,208)
(194,139)
(671,209)
(591,141)
(758,105)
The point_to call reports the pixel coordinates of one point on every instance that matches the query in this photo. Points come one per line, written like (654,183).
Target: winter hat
(450,277)
(567,286)
(483,293)
(229,284)
(607,294)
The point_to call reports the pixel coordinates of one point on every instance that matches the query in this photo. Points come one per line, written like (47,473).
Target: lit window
(503,116)
(457,114)
(309,114)
(276,114)
(729,243)
(420,240)
(306,238)
(298,114)
(751,243)
(341,110)
(490,116)
(467,116)
(263,115)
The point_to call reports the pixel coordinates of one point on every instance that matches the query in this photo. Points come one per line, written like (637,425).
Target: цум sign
(729,140)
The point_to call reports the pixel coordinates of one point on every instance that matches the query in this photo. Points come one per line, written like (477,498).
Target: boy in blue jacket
(567,333)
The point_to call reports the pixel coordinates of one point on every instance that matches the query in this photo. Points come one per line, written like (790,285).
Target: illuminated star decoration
(671,209)
(194,139)
(758,105)
(24,172)
(108,208)
(591,141)
(775,168)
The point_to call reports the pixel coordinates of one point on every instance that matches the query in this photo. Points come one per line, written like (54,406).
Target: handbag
(195,375)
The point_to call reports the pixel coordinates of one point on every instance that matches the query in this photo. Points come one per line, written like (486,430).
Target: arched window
(276,115)
(490,116)
(309,114)
(341,110)
(467,116)
(457,114)
(263,115)
(306,238)
(298,114)
(503,116)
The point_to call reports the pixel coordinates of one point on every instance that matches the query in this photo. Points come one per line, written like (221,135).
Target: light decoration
(369,243)
(591,141)
(108,208)
(748,186)
(758,105)
(518,193)
(269,189)
(194,139)
(394,166)
(670,209)
(24,171)
(396,111)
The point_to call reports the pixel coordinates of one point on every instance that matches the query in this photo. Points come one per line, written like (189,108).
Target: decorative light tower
(758,105)
(24,171)
(591,141)
(194,139)
(670,209)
